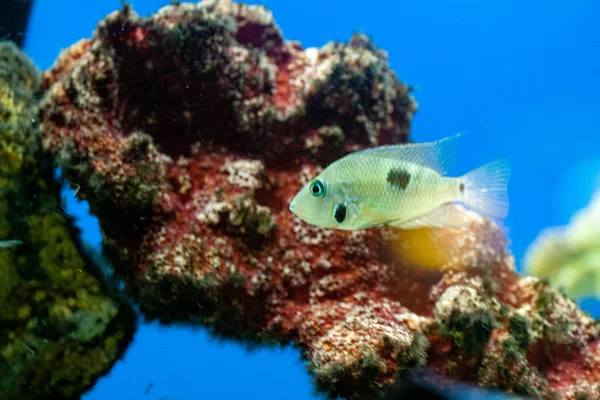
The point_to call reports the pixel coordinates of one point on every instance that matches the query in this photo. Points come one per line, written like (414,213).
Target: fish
(404,186)
(5,244)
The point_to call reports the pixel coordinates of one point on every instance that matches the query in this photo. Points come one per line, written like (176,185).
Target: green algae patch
(518,327)
(470,331)
(61,325)
(354,382)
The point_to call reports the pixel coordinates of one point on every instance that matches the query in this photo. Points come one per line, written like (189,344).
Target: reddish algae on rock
(190,131)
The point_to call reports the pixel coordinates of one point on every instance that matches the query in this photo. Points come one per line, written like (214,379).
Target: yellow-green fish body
(403,186)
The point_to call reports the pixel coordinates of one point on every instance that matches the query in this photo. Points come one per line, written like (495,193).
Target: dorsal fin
(439,156)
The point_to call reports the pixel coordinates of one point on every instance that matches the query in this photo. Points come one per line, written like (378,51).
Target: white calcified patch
(313,142)
(238,54)
(310,234)
(361,332)
(255,14)
(324,263)
(244,173)
(178,257)
(211,214)
(312,54)
(319,71)
(308,173)
(462,299)
(414,321)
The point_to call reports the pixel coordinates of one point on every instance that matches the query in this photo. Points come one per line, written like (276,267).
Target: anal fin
(446,215)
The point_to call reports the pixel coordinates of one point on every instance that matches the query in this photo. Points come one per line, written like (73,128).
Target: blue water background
(520,77)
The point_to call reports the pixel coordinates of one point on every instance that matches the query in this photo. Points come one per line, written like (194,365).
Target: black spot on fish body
(462,187)
(339,212)
(398,178)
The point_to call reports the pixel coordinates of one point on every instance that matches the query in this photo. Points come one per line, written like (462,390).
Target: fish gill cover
(189,131)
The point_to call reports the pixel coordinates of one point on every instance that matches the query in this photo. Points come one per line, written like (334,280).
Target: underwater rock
(189,132)
(61,327)
(570,257)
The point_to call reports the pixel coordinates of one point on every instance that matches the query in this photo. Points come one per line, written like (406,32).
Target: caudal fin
(486,189)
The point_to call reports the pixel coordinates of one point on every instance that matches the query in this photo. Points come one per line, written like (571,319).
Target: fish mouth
(293,206)
(296,208)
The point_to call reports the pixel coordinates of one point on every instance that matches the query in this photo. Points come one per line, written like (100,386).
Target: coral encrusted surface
(190,130)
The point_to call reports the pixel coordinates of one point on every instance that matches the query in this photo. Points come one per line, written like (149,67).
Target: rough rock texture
(189,132)
(61,327)
(570,257)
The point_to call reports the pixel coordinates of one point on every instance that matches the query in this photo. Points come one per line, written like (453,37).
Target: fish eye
(339,212)
(317,188)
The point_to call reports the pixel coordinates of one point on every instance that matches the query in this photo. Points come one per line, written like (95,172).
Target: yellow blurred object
(450,248)
(430,248)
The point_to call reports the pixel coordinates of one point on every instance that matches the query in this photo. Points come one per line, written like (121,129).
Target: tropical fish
(403,186)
